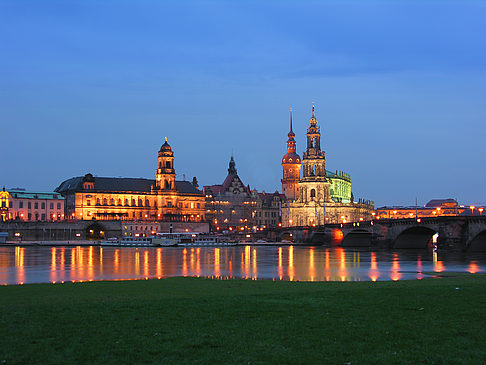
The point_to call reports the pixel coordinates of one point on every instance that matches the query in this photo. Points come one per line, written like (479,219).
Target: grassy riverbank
(187,320)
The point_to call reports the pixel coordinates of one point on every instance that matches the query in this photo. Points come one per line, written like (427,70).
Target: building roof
(23,194)
(435,203)
(122,184)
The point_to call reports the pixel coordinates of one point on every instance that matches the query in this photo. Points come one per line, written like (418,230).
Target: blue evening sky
(95,86)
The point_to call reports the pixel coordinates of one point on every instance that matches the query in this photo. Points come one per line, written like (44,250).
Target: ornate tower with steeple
(165,176)
(314,159)
(291,165)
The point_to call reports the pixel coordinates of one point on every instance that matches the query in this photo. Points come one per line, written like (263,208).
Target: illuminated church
(319,196)
(163,199)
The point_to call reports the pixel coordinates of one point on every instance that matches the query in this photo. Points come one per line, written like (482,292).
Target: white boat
(135,241)
(190,239)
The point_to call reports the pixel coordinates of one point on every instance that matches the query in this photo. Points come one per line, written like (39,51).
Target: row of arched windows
(125,202)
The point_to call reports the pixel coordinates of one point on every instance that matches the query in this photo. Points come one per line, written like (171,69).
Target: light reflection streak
(198,261)
(19,264)
(117,260)
(101,259)
(146,264)
(90,264)
(217,268)
(291,263)
(137,263)
(342,266)
(312,271)
(438,265)
(473,267)
(280,263)
(255,269)
(395,270)
(159,272)
(374,273)
(247,262)
(53,265)
(327,263)
(184,262)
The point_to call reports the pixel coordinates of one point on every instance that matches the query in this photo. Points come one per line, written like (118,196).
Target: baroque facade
(31,206)
(319,196)
(163,199)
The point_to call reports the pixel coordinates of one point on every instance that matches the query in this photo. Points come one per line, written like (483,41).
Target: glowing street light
(472,207)
(481,211)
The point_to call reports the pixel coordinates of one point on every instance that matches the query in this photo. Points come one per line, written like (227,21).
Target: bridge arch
(95,231)
(478,243)
(360,237)
(287,236)
(414,237)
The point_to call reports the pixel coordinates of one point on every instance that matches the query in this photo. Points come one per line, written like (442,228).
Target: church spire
(313,111)
(291,132)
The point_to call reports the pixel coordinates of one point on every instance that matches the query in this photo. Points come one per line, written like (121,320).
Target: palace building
(107,198)
(319,196)
(30,206)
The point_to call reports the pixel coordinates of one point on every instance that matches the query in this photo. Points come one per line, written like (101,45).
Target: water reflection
(20,265)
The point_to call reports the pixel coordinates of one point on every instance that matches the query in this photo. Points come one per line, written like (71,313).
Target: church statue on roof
(319,196)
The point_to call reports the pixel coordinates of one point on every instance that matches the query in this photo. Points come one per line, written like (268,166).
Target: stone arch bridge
(453,233)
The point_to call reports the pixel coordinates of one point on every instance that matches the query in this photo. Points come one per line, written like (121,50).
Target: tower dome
(291,164)
(165,147)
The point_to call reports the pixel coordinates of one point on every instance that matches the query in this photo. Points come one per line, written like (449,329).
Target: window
(36,206)
(88,202)
(43,217)
(169,204)
(147,203)
(52,206)
(97,201)
(112,201)
(21,205)
(30,216)
(313,193)
(105,201)
(29,205)
(167,164)
(180,205)
(10,204)
(133,202)
(43,205)
(198,205)
(119,202)
(126,202)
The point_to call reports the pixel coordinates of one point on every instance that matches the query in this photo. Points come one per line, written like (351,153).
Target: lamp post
(472,207)
(480,211)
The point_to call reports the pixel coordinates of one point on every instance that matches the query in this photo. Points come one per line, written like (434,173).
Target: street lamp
(472,207)
(481,211)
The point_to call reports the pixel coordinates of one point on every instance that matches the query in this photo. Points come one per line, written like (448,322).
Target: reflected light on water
(217,263)
(374,274)
(395,271)
(57,264)
(291,263)
(312,270)
(473,268)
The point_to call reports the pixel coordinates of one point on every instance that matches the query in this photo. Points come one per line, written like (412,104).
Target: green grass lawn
(189,320)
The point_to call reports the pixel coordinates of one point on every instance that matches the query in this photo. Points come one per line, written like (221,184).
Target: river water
(34,264)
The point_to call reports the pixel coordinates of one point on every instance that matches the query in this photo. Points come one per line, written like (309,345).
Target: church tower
(165,175)
(314,183)
(291,165)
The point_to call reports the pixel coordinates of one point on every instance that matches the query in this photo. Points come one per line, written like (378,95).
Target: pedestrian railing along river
(19,265)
